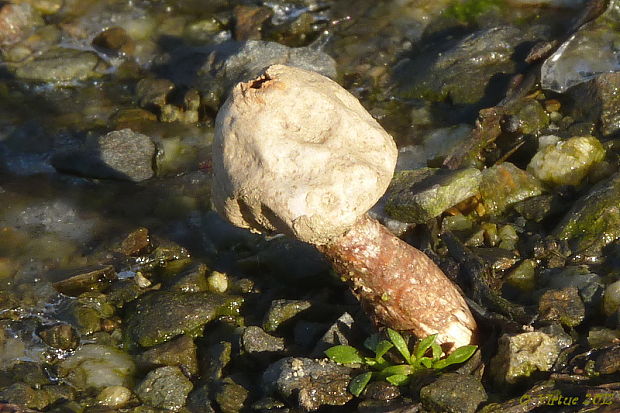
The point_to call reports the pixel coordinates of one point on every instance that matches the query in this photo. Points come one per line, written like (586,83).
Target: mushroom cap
(295,153)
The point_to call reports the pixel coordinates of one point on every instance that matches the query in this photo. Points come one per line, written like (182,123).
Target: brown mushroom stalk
(296,153)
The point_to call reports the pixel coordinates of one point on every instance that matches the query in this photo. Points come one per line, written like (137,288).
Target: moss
(468,10)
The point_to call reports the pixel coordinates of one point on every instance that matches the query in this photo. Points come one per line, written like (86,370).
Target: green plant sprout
(426,355)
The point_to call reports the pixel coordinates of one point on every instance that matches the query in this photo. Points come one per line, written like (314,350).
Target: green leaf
(344,354)
(382,347)
(459,355)
(398,379)
(399,343)
(371,342)
(359,383)
(426,362)
(423,345)
(402,369)
(437,351)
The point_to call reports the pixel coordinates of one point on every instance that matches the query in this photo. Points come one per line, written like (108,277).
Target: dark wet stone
(527,116)
(123,155)
(165,388)
(86,312)
(16,21)
(194,280)
(60,336)
(218,357)
(136,243)
(199,400)
(537,208)
(340,332)
(497,258)
(30,373)
(60,65)
(180,352)
(114,41)
(23,395)
(153,93)
(419,195)
(309,384)
(124,291)
(282,311)
(504,185)
(307,333)
(462,69)
(390,406)
(288,258)
(453,393)
(598,100)
(523,276)
(593,221)
(230,396)
(248,21)
(256,341)
(563,305)
(381,390)
(521,355)
(159,316)
(96,278)
(609,361)
(213,70)
(167,253)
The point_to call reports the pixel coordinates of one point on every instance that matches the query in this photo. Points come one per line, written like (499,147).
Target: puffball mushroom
(295,153)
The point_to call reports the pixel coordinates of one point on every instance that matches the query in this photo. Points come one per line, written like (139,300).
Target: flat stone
(594,220)
(159,316)
(563,305)
(122,155)
(504,185)
(165,388)
(310,384)
(180,352)
(59,65)
(521,355)
(419,195)
(453,393)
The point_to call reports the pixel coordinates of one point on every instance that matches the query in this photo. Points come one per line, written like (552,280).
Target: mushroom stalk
(399,286)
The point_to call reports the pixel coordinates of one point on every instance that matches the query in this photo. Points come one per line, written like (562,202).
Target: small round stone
(114,396)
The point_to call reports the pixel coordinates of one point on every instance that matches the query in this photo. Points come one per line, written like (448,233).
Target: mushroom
(295,153)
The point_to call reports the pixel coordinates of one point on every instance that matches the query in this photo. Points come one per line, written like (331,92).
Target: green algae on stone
(159,316)
(230,396)
(165,388)
(530,116)
(504,185)
(419,195)
(282,311)
(179,352)
(594,220)
(565,306)
(567,162)
(523,276)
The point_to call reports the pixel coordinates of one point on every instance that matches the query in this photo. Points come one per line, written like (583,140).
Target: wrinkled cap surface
(296,153)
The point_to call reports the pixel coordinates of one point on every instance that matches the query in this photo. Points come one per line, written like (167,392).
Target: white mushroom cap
(296,153)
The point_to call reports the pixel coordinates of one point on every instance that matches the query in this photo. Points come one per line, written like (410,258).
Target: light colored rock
(98,366)
(567,162)
(114,396)
(521,355)
(296,153)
